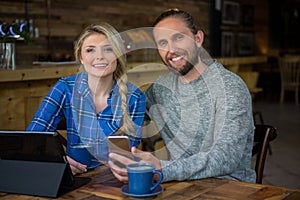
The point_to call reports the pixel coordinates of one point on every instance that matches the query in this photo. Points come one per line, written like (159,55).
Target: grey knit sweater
(207,125)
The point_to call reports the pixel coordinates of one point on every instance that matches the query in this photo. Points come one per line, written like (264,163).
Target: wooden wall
(59,22)
(20,100)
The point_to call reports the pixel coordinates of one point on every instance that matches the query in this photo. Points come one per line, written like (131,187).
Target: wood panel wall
(20,100)
(59,22)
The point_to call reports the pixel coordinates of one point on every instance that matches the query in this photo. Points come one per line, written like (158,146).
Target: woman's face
(97,56)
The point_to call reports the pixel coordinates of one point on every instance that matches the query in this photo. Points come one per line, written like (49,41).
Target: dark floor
(283,166)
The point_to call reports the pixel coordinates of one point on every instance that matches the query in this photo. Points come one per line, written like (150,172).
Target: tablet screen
(31,146)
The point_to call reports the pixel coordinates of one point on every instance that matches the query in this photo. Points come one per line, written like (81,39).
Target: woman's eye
(108,49)
(90,50)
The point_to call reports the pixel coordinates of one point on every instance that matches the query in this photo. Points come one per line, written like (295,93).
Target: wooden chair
(263,135)
(289,72)
(251,80)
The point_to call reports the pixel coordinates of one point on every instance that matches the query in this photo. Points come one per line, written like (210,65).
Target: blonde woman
(98,101)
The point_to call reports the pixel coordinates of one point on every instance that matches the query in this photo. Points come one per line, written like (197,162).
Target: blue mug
(140,178)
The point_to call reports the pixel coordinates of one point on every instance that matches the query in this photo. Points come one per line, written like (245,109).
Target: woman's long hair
(119,75)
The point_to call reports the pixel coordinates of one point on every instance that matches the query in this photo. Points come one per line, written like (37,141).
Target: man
(202,110)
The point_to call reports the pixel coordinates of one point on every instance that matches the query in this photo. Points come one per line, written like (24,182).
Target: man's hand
(76,167)
(121,173)
(146,157)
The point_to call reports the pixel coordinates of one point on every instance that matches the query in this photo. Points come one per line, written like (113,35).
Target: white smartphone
(120,145)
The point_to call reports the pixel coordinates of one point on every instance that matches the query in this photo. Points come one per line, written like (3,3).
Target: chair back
(289,71)
(263,135)
(251,80)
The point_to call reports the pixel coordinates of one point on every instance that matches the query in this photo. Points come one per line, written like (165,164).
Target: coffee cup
(81,153)
(140,178)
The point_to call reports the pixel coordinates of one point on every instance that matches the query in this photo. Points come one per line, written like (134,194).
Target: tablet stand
(36,178)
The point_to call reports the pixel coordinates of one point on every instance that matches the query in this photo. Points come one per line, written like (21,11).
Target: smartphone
(120,145)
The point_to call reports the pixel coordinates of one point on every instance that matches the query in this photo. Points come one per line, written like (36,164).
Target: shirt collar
(83,87)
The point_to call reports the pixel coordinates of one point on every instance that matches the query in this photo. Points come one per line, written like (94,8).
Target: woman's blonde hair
(119,74)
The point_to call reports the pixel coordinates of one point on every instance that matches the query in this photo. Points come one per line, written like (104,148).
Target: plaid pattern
(71,97)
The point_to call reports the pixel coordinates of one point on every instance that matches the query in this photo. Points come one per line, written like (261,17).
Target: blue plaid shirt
(71,97)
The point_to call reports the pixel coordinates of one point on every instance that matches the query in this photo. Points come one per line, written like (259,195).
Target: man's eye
(178,37)
(162,43)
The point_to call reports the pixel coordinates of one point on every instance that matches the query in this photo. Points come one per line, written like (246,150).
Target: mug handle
(159,181)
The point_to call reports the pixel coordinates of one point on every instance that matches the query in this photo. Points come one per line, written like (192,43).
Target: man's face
(176,44)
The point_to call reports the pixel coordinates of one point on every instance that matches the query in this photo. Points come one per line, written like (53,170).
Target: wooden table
(104,186)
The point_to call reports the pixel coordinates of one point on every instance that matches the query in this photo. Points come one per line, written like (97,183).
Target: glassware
(7,55)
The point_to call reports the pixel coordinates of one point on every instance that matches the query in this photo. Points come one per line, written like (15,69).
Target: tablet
(37,158)
(31,146)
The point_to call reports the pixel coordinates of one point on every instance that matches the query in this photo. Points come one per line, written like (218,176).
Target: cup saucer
(125,191)
(93,165)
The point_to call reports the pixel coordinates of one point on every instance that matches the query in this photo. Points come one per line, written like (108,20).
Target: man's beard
(190,63)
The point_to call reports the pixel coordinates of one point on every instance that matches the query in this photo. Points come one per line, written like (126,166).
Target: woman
(98,101)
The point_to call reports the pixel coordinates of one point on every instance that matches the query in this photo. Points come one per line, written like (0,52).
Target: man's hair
(176,13)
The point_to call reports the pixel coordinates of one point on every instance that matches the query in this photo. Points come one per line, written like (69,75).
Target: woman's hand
(76,167)
(119,172)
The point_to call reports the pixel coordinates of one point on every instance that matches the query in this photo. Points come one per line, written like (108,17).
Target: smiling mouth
(100,65)
(176,58)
